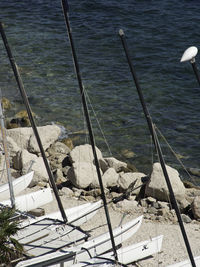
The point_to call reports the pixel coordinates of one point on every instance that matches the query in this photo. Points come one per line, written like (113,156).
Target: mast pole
(4,140)
(30,115)
(196,72)
(158,148)
(65,7)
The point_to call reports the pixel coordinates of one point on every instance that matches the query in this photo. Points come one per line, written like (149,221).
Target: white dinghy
(91,248)
(19,184)
(127,254)
(31,200)
(76,215)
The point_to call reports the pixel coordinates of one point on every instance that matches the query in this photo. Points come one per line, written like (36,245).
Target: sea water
(157,33)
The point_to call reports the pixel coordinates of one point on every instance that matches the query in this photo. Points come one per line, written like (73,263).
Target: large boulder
(116,164)
(40,172)
(25,138)
(125,179)
(26,161)
(196,207)
(157,186)
(81,174)
(110,178)
(84,153)
(48,135)
(58,155)
(20,136)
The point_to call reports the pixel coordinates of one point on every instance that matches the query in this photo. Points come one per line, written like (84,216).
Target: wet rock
(188,184)
(68,142)
(194,171)
(128,153)
(6,103)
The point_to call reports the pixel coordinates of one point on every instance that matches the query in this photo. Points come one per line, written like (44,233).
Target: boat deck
(48,235)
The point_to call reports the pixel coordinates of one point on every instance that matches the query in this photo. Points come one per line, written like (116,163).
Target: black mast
(65,7)
(196,72)
(158,148)
(28,108)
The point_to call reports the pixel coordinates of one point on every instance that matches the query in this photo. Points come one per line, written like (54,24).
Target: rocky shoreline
(75,175)
(137,193)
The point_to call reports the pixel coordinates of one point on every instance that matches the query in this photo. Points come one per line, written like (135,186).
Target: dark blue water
(157,33)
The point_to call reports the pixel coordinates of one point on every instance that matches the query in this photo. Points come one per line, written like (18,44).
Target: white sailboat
(19,184)
(91,248)
(31,200)
(126,255)
(76,215)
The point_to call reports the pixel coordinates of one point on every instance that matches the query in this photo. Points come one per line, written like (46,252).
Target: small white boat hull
(32,200)
(19,184)
(93,247)
(127,254)
(76,215)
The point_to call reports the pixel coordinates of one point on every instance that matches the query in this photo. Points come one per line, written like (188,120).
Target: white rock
(125,179)
(196,207)
(81,174)
(158,188)
(110,178)
(20,136)
(40,172)
(116,164)
(13,148)
(84,153)
(48,135)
